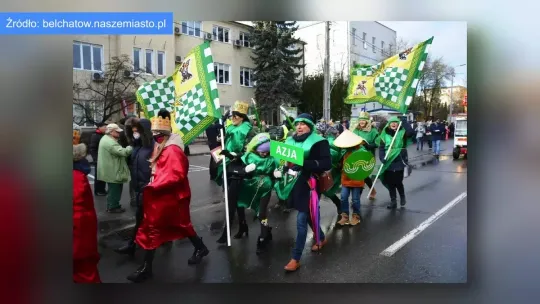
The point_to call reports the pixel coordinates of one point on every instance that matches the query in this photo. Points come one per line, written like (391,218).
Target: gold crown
(241,107)
(364,116)
(160,124)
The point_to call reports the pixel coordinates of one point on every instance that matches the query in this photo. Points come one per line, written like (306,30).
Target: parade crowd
(145,154)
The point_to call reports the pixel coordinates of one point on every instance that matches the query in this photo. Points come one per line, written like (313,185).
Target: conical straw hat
(348,139)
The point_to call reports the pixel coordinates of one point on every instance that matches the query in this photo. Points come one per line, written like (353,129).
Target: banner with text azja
(287,152)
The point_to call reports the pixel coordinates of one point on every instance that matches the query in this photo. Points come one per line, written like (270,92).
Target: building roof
(386,27)
(242,23)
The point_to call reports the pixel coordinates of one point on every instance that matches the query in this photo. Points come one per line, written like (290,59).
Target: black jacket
(212,134)
(142,151)
(94,145)
(319,161)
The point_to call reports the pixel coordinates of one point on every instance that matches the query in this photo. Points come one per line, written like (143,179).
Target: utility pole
(451,90)
(326,97)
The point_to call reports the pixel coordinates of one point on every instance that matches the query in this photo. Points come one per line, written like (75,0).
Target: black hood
(143,125)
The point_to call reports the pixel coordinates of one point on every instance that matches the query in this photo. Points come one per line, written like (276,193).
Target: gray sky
(450,40)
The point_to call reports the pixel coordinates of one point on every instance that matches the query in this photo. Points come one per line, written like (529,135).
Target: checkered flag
(196,104)
(391,82)
(156,95)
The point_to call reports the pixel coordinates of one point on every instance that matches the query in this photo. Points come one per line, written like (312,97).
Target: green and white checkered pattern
(193,109)
(156,95)
(367,70)
(390,84)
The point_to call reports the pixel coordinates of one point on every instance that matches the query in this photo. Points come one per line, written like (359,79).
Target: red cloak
(166,200)
(85,248)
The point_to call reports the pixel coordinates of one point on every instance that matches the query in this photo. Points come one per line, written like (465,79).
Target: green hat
(394,119)
(363,116)
(307,119)
(258,140)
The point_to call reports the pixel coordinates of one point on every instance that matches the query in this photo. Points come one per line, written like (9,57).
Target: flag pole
(385,157)
(226,190)
(286,115)
(257,115)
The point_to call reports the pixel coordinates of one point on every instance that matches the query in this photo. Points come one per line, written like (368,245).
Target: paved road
(436,255)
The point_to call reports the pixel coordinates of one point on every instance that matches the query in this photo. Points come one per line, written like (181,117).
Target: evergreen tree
(277,58)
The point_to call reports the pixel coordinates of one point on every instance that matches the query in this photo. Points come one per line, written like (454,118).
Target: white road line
(416,231)
(198,167)
(91,176)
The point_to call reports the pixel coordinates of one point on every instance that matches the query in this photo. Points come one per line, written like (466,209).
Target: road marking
(416,231)
(91,176)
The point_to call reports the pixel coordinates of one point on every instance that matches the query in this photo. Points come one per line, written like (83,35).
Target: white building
(351,42)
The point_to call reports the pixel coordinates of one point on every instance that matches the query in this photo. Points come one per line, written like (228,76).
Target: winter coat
(212,134)
(94,145)
(437,131)
(318,161)
(139,164)
(399,162)
(420,130)
(112,165)
(85,247)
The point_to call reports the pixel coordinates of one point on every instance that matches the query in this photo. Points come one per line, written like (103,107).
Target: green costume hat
(307,119)
(363,116)
(257,140)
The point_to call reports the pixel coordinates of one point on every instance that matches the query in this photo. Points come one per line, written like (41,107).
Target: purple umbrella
(314,209)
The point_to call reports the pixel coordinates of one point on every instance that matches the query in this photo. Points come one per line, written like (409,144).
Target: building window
(148,61)
(364,37)
(223,72)
(245,77)
(220,34)
(353,36)
(136,59)
(373,44)
(192,28)
(244,39)
(161,63)
(391,50)
(382,47)
(87,56)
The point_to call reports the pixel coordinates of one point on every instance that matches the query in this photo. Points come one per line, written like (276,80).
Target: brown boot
(355,219)
(318,247)
(292,266)
(373,193)
(344,219)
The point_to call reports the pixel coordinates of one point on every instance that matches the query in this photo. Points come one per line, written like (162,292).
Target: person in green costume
(394,165)
(257,187)
(235,140)
(365,130)
(337,154)
(294,182)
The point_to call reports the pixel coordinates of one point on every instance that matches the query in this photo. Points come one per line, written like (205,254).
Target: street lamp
(451,89)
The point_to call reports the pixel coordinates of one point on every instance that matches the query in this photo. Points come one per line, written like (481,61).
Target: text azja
(286,152)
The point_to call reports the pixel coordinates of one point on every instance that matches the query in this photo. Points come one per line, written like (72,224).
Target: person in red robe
(166,199)
(85,247)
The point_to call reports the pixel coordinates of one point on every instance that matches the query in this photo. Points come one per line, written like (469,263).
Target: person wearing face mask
(364,129)
(317,160)
(113,167)
(235,141)
(393,167)
(258,185)
(140,138)
(166,199)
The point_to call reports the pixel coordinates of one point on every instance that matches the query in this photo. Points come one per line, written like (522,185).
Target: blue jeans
(420,143)
(345,192)
(302,221)
(437,147)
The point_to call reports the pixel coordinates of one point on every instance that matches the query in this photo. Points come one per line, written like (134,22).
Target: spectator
(437,130)
(112,166)
(99,186)
(143,145)
(212,135)
(420,130)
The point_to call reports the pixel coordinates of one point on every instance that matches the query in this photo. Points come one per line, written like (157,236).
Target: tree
(277,64)
(312,96)
(99,101)
(434,76)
